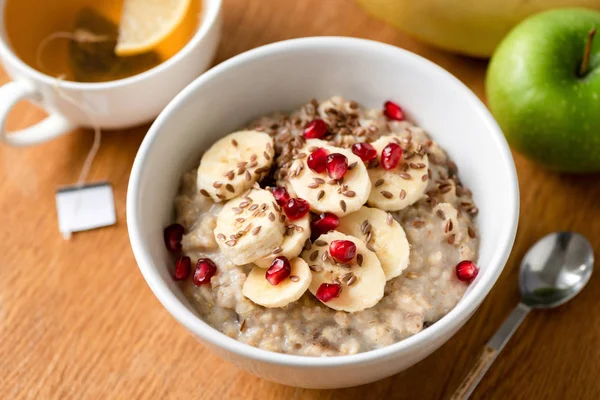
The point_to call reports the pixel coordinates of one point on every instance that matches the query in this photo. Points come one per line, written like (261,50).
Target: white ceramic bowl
(283,76)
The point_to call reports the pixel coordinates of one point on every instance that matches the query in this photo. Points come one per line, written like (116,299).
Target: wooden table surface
(78,321)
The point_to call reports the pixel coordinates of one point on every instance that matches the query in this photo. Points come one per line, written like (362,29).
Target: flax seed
(307,245)
(343,205)
(471,232)
(204,193)
(320,243)
(386,194)
(451,238)
(229,188)
(256,230)
(315,268)
(220,236)
(231,243)
(379,182)
(418,224)
(294,278)
(406,176)
(402,194)
(363,226)
(411,275)
(359,260)
(390,219)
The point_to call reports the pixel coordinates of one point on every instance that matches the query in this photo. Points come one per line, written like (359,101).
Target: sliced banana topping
(362,279)
(296,233)
(325,194)
(261,292)
(383,233)
(250,227)
(402,186)
(234,163)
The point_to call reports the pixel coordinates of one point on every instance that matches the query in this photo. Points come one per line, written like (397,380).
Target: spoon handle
(489,353)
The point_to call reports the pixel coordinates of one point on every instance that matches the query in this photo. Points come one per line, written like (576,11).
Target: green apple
(543,87)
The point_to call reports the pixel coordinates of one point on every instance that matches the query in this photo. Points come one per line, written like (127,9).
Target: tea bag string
(89,113)
(79,35)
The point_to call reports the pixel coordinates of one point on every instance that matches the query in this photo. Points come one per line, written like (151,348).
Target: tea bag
(91,51)
(85,207)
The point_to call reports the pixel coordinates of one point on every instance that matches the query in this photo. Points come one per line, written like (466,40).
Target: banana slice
(340,199)
(296,233)
(250,227)
(401,187)
(261,292)
(362,286)
(384,234)
(234,163)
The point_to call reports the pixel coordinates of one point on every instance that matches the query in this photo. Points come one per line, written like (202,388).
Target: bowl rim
(446,325)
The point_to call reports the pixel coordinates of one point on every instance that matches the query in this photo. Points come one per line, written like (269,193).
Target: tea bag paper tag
(81,208)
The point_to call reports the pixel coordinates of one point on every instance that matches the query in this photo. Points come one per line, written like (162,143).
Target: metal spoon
(553,271)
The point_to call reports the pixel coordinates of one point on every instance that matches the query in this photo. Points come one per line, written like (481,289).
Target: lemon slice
(146,23)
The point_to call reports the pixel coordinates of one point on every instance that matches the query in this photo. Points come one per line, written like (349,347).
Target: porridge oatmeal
(329,231)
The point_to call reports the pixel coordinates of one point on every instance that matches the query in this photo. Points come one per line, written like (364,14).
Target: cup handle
(51,127)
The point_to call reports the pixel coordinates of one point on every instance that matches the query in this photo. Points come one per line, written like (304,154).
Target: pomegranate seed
(328,291)
(316,129)
(173,234)
(281,195)
(205,269)
(182,268)
(393,111)
(317,160)
(466,271)
(280,269)
(365,151)
(296,208)
(390,156)
(337,165)
(342,250)
(324,223)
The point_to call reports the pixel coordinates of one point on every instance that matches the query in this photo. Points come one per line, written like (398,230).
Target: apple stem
(583,69)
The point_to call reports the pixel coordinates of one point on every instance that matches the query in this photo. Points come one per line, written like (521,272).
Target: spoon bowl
(555,269)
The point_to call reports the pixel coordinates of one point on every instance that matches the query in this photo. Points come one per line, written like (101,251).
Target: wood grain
(78,321)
